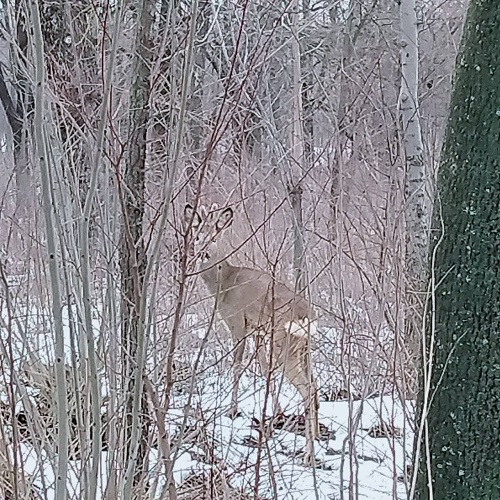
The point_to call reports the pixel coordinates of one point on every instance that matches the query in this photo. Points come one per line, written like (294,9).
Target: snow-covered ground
(370,464)
(349,458)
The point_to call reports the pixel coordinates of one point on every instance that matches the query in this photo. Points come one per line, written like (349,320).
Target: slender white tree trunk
(93,466)
(297,152)
(417,184)
(418,205)
(53,256)
(345,130)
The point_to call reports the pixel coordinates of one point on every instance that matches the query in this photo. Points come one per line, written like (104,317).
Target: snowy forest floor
(365,444)
(365,447)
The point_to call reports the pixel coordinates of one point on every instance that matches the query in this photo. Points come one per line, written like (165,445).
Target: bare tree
(344,116)
(133,258)
(298,159)
(53,254)
(418,178)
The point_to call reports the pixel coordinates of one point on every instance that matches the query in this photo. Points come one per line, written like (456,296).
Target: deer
(253,304)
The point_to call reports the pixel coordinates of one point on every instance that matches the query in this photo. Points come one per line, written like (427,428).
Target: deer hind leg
(297,371)
(237,370)
(267,372)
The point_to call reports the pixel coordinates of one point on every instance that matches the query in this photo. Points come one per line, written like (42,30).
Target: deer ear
(203,212)
(191,214)
(225,219)
(213,214)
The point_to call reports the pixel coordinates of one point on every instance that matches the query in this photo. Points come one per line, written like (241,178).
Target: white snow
(349,459)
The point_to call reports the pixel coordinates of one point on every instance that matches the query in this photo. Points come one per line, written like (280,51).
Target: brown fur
(253,303)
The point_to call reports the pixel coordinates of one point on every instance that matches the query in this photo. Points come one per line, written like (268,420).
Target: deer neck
(215,275)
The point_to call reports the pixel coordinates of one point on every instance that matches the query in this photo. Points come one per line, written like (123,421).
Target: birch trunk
(297,153)
(344,129)
(418,187)
(417,178)
(307,67)
(53,256)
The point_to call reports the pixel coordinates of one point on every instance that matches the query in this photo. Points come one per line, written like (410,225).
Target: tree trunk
(418,189)
(197,125)
(133,259)
(298,158)
(307,65)
(54,255)
(460,399)
(417,182)
(18,109)
(345,131)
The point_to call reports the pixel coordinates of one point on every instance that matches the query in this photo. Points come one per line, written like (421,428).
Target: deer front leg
(237,370)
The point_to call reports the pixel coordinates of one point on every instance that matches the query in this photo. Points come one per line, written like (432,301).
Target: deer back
(257,298)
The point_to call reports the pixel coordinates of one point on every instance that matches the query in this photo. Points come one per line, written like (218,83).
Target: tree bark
(19,110)
(298,158)
(307,65)
(344,118)
(54,256)
(417,186)
(133,259)
(460,398)
(418,189)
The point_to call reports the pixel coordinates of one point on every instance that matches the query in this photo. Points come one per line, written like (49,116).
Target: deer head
(206,229)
